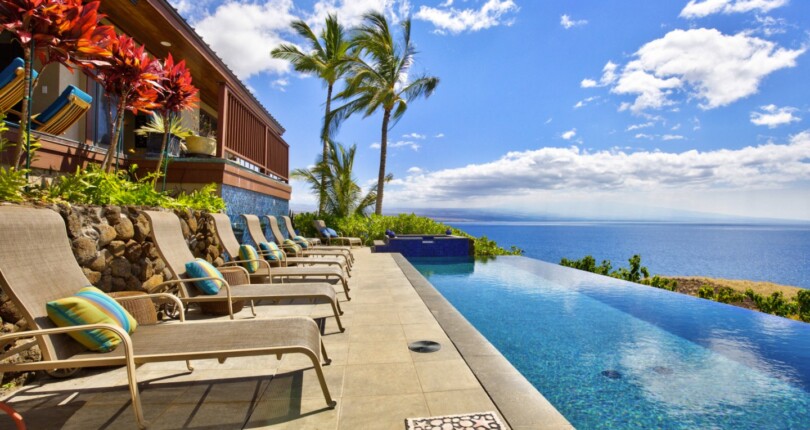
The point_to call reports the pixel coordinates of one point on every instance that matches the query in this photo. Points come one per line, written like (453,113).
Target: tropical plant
(342,195)
(381,83)
(12,179)
(328,58)
(177,94)
(132,77)
(157,125)
(64,31)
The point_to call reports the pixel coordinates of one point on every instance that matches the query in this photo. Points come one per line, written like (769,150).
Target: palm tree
(328,59)
(343,196)
(382,82)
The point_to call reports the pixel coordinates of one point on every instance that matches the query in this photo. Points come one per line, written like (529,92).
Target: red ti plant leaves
(133,78)
(178,94)
(64,31)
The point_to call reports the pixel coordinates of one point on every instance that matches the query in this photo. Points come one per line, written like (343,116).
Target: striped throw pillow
(91,306)
(301,241)
(272,252)
(248,252)
(291,243)
(200,268)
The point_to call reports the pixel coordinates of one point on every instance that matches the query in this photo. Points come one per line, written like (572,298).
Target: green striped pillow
(200,268)
(91,306)
(301,241)
(291,243)
(272,251)
(247,252)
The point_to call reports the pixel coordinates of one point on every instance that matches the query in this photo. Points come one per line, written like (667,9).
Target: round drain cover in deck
(425,346)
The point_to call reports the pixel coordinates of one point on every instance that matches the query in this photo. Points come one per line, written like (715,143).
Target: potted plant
(155,129)
(204,140)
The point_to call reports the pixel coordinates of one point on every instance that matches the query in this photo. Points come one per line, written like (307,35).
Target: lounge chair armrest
(6,338)
(235,275)
(167,296)
(260,260)
(177,281)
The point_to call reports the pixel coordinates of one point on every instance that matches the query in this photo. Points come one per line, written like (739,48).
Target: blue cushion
(200,268)
(325,232)
(91,306)
(332,232)
(271,251)
(10,72)
(61,102)
(302,242)
(247,252)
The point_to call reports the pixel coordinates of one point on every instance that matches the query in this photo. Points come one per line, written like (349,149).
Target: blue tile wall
(240,201)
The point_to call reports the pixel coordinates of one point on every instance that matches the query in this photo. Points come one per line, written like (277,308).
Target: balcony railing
(246,137)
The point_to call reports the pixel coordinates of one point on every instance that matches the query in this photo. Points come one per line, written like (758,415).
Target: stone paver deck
(376,380)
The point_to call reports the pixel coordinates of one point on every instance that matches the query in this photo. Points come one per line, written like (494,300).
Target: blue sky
(623,109)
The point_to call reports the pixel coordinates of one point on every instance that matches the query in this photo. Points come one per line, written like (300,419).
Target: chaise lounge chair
(296,249)
(12,84)
(171,245)
(314,241)
(266,273)
(325,233)
(37,266)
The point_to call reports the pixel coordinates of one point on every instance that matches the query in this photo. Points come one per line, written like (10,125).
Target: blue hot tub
(426,245)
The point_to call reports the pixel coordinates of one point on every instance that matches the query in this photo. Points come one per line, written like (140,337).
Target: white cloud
(672,137)
(455,21)
(414,136)
(249,26)
(568,135)
(415,171)
(644,136)
(639,126)
(773,116)
(398,144)
(571,170)
(702,8)
(568,23)
(585,102)
(676,127)
(280,84)
(715,68)
(439,136)
(350,12)
(608,77)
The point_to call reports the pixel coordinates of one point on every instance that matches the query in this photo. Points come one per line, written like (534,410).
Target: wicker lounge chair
(320,226)
(279,239)
(315,241)
(171,245)
(265,274)
(12,84)
(37,266)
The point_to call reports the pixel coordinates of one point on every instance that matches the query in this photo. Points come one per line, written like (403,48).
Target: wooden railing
(247,136)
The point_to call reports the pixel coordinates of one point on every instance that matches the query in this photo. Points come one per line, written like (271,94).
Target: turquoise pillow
(247,252)
(200,268)
(91,306)
(302,242)
(272,251)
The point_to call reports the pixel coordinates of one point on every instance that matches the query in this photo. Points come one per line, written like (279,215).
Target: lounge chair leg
(340,310)
(252,308)
(326,360)
(337,316)
(319,370)
(345,288)
(189,366)
(137,407)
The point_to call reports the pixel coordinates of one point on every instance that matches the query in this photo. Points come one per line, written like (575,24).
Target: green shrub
(706,292)
(588,264)
(803,305)
(12,180)
(729,295)
(659,282)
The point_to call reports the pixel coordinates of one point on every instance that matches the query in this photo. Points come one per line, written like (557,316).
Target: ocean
(774,253)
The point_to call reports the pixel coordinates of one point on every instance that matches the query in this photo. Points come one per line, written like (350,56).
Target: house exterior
(251,161)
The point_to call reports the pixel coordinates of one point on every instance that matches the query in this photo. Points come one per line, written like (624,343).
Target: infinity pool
(616,355)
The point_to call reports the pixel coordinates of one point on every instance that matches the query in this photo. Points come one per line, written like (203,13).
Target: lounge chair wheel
(62,373)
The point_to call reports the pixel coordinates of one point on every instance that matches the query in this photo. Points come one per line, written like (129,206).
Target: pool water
(612,354)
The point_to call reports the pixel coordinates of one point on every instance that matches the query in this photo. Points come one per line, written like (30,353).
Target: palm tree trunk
(24,114)
(383,154)
(325,142)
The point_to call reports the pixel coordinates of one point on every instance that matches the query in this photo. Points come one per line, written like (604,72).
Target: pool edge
(518,401)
